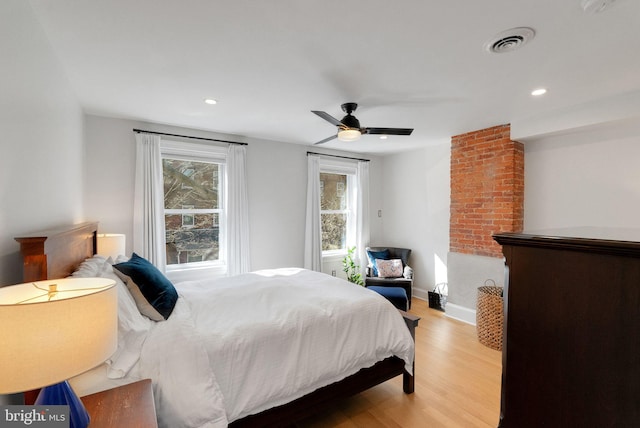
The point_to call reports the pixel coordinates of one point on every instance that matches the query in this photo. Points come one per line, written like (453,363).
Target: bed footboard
(408,380)
(320,398)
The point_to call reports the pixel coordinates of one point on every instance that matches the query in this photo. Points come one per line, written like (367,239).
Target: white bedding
(240,345)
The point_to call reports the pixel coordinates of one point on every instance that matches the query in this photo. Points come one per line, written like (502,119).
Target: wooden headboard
(56,253)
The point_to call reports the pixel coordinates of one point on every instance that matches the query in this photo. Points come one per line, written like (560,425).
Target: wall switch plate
(379,213)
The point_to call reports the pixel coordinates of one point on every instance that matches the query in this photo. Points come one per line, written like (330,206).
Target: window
(334,211)
(193,205)
(337,208)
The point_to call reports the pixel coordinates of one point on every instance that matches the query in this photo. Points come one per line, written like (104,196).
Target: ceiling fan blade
(326,140)
(328,117)
(388,131)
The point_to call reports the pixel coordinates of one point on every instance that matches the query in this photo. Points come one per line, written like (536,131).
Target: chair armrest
(408,272)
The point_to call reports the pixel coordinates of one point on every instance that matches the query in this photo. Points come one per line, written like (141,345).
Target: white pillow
(90,268)
(132,326)
(121,259)
(389,268)
(132,331)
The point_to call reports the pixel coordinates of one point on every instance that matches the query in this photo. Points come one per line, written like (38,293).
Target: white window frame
(200,153)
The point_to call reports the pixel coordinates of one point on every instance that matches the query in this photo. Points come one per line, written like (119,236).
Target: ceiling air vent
(510,40)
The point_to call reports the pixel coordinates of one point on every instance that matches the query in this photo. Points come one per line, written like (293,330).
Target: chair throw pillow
(154,294)
(376,255)
(389,268)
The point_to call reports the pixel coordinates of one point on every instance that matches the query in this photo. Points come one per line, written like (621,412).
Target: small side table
(130,406)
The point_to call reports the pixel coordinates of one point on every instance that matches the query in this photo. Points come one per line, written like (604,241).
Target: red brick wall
(487,189)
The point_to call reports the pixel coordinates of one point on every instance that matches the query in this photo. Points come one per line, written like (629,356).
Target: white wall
(41,146)
(277,185)
(415,212)
(467,272)
(109,173)
(277,180)
(587,177)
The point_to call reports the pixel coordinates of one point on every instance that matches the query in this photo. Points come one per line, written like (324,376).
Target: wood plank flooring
(457,384)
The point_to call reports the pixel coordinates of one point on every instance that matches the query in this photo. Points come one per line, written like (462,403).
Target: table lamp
(111,244)
(53,330)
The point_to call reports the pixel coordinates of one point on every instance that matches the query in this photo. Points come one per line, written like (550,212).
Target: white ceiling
(408,63)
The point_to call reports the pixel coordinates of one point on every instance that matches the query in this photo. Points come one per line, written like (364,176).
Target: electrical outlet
(333,273)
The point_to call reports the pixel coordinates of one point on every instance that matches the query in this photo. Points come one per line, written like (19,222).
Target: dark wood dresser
(571,354)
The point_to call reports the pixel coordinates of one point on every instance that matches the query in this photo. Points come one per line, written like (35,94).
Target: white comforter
(240,345)
(274,336)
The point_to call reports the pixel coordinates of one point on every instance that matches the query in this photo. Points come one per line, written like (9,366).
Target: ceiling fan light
(349,134)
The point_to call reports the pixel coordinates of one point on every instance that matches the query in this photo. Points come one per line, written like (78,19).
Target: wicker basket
(490,316)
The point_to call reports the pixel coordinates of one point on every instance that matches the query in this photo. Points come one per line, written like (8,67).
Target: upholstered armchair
(388,267)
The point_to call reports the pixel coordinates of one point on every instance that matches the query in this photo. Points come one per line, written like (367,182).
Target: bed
(270,393)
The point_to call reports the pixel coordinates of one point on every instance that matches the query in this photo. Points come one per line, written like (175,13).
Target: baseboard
(420,294)
(452,310)
(460,313)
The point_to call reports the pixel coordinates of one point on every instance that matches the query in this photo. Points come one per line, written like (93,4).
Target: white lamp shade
(111,244)
(349,134)
(47,340)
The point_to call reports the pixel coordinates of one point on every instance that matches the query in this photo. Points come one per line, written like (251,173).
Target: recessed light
(210,101)
(383,137)
(538,92)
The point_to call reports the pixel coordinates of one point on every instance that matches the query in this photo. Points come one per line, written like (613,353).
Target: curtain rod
(187,136)
(336,156)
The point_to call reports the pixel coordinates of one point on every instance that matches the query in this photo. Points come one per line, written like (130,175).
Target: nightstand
(128,406)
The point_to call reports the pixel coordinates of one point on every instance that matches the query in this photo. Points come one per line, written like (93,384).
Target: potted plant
(350,267)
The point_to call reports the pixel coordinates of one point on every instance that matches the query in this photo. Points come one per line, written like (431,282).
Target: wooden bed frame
(56,253)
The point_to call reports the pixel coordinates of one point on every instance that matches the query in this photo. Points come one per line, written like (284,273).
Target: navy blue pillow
(373,255)
(154,294)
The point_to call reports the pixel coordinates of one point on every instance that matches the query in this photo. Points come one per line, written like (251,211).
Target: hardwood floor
(457,384)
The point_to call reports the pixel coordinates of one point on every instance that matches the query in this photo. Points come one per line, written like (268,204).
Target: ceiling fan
(349,127)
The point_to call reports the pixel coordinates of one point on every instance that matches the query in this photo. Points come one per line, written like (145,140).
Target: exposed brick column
(487,190)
